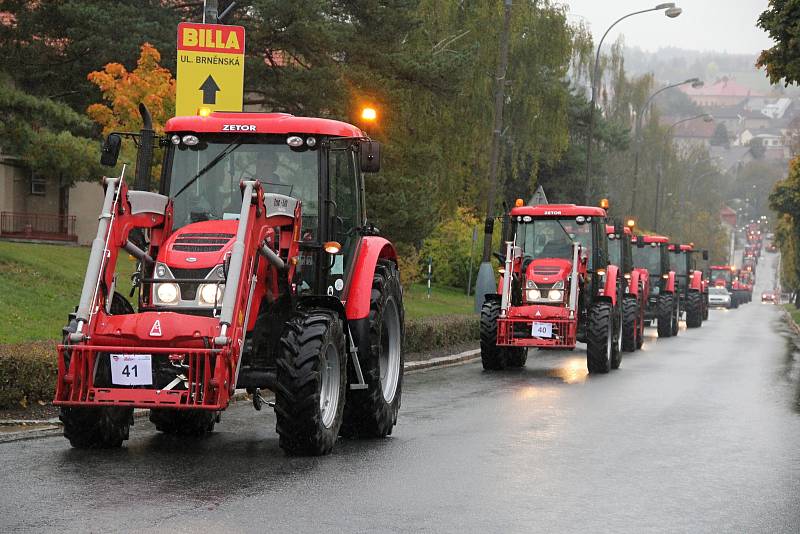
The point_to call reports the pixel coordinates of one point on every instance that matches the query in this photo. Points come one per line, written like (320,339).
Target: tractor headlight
(555,294)
(167,293)
(211,294)
(533,294)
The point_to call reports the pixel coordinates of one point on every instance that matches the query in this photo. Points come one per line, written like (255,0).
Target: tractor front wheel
(664,318)
(516,356)
(600,338)
(372,412)
(183,422)
(694,310)
(630,330)
(492,356)
(96,428)
(311,377)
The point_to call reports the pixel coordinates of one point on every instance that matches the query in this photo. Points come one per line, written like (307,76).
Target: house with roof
(723,92)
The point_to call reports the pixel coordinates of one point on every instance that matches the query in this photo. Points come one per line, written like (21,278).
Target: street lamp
(670,11)
(696,82)
(707,117)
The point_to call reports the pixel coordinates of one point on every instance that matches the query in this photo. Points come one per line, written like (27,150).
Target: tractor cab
(651,253)
(680,261)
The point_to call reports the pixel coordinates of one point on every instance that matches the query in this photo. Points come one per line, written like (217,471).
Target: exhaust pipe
(144,158)
(573,282)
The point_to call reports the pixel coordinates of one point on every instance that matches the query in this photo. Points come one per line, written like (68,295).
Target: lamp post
(670,11)
(696,82)
(707,117)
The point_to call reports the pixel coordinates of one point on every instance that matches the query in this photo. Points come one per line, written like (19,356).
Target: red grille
(546,271)
(76,386)
(516,332)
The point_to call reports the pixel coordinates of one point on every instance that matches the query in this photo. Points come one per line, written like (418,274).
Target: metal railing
(37,226)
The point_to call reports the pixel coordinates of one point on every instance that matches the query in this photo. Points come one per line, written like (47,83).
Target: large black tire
(309,343)
(600,338)
(734,300)
(694,310)
(183,422)
(664,318)
(705,306)
(372,412)
(492,356)
(96,428)
(516,356)
(630,330)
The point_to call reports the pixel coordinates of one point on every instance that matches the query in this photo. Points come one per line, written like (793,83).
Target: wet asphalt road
(700,433)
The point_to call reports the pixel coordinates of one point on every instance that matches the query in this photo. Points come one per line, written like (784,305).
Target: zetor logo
(238,127)
(552,212)
(155,331)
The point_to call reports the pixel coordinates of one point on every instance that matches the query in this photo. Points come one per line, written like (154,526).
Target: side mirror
(618,229)
(370,158)
(110,151)
(705,255)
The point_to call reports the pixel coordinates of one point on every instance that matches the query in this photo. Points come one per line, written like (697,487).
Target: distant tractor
(689,284)
(557,287)
(636,286)
(257,269)
(651,254)
(725,276)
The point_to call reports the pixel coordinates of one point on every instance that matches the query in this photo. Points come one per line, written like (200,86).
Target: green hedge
(27,373)
(28,370)
(430,333)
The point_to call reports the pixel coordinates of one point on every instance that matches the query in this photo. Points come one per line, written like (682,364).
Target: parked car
(719,297)
(769,296)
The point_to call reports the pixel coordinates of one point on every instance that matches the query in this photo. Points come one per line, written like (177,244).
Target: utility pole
(210,11)
(486,281)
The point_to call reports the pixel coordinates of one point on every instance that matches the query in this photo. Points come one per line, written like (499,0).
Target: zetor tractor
(256,269)
(662,303)
(689,284)
(557,288)
(636,286)
(725,276)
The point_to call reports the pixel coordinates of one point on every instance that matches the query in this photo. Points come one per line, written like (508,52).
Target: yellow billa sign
(210,68)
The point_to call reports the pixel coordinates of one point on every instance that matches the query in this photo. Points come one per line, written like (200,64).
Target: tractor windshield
(648,257)
(204,178)
(553,238)
(722,274)
(614,251)
(677,263)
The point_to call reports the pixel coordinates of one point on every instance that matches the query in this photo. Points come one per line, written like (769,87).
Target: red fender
(370,250)
(696,281)
(610,289)
(633,283)
(671,282)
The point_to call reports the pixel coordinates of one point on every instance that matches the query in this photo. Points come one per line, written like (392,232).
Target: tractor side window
(346,213)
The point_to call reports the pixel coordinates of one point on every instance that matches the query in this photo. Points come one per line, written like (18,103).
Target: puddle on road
(10,429)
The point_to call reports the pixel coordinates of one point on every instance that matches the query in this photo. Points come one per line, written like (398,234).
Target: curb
(52,427)
(793,325)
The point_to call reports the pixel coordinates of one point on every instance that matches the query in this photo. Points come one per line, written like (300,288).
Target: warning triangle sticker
(156,330)
(538,314)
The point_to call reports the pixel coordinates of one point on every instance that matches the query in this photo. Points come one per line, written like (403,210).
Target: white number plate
(131,370)
(542,330)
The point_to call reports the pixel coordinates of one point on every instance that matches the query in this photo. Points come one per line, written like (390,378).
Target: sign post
(210,68)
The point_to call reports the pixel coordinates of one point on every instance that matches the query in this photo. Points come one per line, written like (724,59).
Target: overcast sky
(722,25)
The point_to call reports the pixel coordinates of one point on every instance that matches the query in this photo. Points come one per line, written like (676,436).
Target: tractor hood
(548,271)
(200,245)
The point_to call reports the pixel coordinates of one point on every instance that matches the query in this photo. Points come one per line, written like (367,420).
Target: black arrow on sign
(209,89)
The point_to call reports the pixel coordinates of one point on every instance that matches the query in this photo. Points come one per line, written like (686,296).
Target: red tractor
(257,269)
(746,280)
(651,254)
(557,288)
(725,276)
(689,284)
(636,286)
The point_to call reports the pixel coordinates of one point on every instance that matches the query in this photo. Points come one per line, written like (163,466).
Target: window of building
(38,186)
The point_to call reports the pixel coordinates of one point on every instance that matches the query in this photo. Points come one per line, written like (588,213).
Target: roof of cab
(610,230)
(261,123)
(653,238)
(558,210)
(684,248)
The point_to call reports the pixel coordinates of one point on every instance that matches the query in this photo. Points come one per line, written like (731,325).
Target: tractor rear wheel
(492,356)
(630,330)
(311,382)
(705,306)
(183,422)
(734,300)
(600,338)
(372,412)
(516,356)
(96,428)
(694,310)
(664,318)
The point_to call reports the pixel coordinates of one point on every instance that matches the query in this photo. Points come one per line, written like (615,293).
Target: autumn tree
(782,60)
